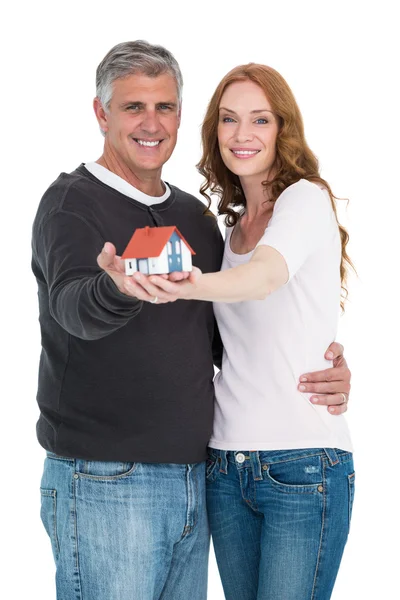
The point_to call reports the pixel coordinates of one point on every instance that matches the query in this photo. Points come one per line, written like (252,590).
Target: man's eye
(133,107)
(165,107)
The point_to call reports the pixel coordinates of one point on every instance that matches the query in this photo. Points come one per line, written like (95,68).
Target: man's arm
(83,299)
(332,385)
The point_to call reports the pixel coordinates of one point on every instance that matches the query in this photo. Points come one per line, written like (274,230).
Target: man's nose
(150,123)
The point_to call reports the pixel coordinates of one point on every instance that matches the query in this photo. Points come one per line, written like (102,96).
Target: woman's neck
(258,206)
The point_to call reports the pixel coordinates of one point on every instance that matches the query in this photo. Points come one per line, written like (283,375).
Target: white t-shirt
(119,184)
(269,343)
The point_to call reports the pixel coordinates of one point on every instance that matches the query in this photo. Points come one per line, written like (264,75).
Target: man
(125,386)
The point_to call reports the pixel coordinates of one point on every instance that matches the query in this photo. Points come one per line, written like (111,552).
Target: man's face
(142,122)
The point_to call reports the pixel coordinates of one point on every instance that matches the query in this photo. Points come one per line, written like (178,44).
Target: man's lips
(147,144)
(244,152)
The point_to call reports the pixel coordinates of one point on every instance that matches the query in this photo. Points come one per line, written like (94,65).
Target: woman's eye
(261,121)
(227,120)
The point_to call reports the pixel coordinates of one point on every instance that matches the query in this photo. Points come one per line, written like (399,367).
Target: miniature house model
(157,250)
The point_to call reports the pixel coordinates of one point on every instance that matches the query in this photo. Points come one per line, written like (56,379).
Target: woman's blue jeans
(279,521)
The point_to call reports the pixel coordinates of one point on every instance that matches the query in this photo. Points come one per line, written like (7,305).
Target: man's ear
(179,114)
(101,114)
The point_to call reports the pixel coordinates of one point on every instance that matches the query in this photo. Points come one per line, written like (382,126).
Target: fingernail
(303,379)
(302,388)
(331,409)
(329,355)
(137,277)
(314,400)
(105,249)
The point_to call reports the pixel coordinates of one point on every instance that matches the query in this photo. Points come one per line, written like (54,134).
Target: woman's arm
(263,274)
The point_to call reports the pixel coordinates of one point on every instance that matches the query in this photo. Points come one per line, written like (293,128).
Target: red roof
(150,241)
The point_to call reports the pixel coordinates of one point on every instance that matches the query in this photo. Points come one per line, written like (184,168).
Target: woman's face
(247,130)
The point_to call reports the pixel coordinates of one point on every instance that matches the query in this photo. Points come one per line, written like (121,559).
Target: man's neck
(150,184)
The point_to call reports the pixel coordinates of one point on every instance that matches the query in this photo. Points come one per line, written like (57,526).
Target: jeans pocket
(298,475)
(351,480)
(48,514)
(99,469)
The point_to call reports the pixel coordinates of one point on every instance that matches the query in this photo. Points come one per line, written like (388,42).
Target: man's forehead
(143,85)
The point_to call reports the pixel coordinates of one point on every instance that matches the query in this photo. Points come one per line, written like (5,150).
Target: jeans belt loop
(223,467)
(332,456)
(256,465)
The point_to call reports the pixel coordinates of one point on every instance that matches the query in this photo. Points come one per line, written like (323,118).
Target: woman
(280,473)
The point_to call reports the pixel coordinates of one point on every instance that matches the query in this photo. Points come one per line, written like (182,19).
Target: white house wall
(159,264)
(130,266)
(186,258)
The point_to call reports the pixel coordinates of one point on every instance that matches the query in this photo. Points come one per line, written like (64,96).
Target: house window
(169,248)
(177,247)
(130,264)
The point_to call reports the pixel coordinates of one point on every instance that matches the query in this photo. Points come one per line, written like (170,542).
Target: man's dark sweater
(119,379)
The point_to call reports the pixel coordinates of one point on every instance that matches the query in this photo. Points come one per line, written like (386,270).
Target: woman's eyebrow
(260,110)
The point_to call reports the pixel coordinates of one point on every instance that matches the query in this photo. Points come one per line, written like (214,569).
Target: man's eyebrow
(143,104)
(130,103)
(261,110)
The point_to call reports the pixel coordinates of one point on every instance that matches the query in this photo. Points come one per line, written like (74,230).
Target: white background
(339,59)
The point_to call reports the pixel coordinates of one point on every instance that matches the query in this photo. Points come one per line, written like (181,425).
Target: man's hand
(114,266)
(332,385)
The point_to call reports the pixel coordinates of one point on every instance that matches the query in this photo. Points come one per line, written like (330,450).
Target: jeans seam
(55,523)
(322,531)
(289,488)
(350,485)
(74,517)
(196,497)
(292,459)
(108,477)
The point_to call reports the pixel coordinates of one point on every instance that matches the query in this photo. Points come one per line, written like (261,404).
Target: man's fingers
(335,403)
(334,351)
(323,387)
(332,374)
(331,400)
(133,288)
(164,285)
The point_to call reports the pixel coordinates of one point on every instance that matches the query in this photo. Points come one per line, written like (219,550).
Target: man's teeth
(144,143)
(245,152)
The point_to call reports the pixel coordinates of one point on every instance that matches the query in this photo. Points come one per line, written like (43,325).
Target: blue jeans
(126,531)
(279,521)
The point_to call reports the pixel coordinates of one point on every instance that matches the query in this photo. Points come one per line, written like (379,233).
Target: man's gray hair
(129,58)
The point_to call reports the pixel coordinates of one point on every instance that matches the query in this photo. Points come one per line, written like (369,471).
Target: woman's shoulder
(305,193)
(305,187)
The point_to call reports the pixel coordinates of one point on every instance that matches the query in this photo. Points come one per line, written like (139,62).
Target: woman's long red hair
(294,159)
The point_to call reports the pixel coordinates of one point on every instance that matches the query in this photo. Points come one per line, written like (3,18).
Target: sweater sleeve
(83,299)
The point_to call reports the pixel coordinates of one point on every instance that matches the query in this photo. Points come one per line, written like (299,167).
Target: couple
(126,389)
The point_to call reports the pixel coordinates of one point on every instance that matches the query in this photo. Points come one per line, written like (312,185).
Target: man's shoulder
(191,202)
(65,193)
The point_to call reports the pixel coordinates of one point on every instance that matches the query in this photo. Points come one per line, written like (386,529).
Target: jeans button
(240,458)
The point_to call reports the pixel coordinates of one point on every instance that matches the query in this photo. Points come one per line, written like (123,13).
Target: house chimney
(147,230)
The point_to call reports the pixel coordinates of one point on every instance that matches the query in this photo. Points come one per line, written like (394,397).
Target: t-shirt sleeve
(301,222)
